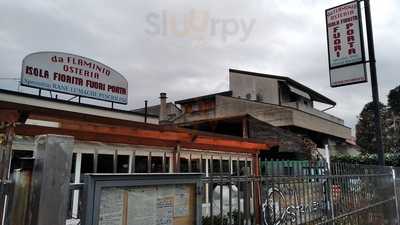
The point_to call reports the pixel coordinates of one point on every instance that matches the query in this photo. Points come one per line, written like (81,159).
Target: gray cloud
(288,38)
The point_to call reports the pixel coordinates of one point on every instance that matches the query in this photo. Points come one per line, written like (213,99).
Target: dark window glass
(167,164)
(184,165)
(156,164)
(292,97)
(87,163)
(123,164)
(215,166)
(196,165)
(204,166)
(16,155)
(225,166)
(73,163)
(141,164)
(234,167)
(242,166)
(105,163)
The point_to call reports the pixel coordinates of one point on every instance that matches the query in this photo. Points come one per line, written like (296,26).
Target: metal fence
(302,192)
(294,192)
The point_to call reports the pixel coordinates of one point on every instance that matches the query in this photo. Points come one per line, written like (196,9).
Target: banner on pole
(345,44)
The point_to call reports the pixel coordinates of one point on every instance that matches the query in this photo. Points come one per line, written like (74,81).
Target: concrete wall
(288,141)
(315,123)
(196,116)
(279,116)
(242,84)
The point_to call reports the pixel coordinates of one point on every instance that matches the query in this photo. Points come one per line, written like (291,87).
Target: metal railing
(302,192)
(293,192)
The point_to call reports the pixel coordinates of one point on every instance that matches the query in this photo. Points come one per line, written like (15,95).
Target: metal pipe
(145,111)
(374,83)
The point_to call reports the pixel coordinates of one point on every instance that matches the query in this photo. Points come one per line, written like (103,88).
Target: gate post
(51,179)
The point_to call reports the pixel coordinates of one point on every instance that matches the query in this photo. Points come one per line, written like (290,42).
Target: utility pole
(374,84)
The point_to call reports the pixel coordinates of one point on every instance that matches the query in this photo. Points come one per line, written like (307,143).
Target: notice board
(168,199)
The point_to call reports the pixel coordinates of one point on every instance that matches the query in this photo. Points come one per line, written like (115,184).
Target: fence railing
(294,192)
(302,192)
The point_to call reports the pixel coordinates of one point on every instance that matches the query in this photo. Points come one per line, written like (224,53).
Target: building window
(140,164)
(215,167)
(248,96)
(123,164)
(195,107)
(234,167)
(105,163)
(184,165)
(225,166)
(292,97)
(87,163)
(259,97)
(16,161)
(195,165)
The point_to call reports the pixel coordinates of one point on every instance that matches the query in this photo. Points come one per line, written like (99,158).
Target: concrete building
(277,101)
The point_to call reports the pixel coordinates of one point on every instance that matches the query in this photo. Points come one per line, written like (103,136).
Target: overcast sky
(148,42)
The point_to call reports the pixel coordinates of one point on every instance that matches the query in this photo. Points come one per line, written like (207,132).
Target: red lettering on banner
(337,41)
(116,89)
(37,72)
(350,39)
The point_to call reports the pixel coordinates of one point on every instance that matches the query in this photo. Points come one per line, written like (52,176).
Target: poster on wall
(75,75)
(345,44)
(149,205)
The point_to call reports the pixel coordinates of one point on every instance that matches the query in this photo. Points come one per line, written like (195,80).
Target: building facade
(274,100)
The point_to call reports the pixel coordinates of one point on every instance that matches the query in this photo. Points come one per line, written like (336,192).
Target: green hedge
(391,159)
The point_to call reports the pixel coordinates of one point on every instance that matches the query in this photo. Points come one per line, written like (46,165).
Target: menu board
(148,205)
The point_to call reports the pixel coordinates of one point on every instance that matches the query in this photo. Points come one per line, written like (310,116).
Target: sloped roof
(313,94)
(204,97)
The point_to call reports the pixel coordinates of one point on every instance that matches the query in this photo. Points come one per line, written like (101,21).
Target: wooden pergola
(86,127)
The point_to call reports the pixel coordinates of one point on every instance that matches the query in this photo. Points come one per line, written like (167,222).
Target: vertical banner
(345,44)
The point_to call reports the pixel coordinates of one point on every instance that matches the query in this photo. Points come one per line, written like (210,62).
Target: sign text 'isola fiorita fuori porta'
(345,44)
(75,75)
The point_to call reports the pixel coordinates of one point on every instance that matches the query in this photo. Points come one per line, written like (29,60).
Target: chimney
(163,117)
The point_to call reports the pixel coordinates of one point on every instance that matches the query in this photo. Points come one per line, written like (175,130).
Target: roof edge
(320,97)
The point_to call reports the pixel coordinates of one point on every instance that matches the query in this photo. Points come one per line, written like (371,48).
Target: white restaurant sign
(345,44)
(75,75)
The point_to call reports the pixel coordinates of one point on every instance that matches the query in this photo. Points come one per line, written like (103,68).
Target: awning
(299,92)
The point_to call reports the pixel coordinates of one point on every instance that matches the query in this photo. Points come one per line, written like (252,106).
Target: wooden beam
(9,115)
(147,139)
(170,135)
(75,120)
